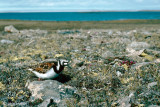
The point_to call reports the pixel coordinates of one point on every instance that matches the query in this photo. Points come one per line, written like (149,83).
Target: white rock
(146,33)
(152,84)
(131,94)
(124,40)
(107,54)
(157,60)
(138,45)
(133,52)
(118,32)
(6,41)
(110,32)
(119,73)
(10,29)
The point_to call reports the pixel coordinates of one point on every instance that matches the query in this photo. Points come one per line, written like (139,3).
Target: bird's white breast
(51,74)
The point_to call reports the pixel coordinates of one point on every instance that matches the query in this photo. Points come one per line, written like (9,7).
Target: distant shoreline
(125,21)
(64,25)
(83,11)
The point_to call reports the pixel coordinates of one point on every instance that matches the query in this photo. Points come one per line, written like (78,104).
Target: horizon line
(82,11)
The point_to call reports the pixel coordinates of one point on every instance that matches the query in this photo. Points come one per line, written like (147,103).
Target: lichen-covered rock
(50,91)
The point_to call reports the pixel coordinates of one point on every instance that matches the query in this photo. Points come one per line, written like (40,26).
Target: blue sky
(77,5)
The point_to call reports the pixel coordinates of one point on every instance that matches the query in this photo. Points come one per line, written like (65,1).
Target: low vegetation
(91,47)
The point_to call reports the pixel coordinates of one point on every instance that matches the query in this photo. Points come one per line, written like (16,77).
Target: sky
(77,5)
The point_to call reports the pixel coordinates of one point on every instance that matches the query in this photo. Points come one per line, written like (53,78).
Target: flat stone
(50,90)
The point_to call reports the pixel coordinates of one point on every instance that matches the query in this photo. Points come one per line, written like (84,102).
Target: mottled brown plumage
(43,67)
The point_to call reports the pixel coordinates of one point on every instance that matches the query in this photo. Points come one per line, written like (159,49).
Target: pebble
(3,41)
(152,84)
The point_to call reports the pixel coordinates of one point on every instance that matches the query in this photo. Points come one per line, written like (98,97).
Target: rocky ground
(109,67)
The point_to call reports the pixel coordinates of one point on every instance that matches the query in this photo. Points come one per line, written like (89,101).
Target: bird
(49,70)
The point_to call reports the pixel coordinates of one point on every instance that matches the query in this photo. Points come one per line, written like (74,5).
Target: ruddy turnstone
(49,70)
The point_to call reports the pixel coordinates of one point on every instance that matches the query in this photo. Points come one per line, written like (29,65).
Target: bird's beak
(69,67)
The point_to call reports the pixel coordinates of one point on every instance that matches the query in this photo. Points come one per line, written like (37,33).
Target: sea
(79,16)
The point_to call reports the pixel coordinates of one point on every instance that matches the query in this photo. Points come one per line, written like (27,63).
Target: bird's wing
(43,67)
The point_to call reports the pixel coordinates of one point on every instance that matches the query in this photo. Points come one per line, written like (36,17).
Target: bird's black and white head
(63,62)
(60,66)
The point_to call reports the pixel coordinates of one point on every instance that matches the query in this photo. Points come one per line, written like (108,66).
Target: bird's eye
(65,63)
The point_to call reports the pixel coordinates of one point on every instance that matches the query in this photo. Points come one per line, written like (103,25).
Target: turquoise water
(80,16)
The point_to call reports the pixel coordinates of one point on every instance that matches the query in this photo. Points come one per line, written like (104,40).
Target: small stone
(119,73)
(141,105)
(3,41)
(110,32)
(107,54)
(152,84)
